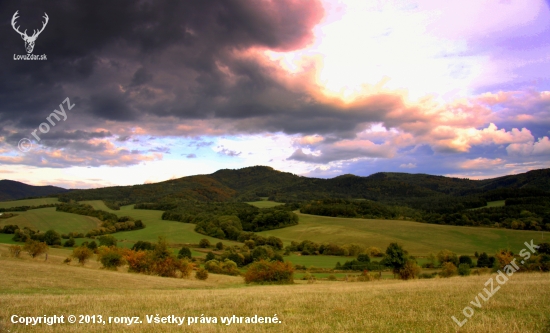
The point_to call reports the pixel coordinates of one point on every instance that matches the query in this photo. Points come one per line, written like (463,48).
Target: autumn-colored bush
(448,270)
(15,250)
(35,248)
(82,253)
(270,272)
(201,274)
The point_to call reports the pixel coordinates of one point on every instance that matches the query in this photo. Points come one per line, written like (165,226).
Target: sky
(147,91)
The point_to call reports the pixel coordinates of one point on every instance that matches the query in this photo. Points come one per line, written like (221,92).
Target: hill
(12,190)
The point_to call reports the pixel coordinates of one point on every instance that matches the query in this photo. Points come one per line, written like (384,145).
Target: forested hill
(250,183)
(12,190)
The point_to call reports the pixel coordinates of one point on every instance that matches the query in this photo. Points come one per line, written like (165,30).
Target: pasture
(44,219)
(28,202)
(420,239)
(37,288)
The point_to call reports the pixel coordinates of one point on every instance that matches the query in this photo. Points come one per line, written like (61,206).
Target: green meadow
(28,202)
(419,239)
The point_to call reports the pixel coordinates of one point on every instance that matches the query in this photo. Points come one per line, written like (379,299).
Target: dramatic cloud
(435,87)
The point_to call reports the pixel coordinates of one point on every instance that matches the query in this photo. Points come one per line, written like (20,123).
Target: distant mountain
(251,183)
(12,190)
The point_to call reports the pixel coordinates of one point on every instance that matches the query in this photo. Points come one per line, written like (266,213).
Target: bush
(331,277)
(92,245)
(67,260)
(427,276)
(485,261)
(204,243)
(111,259)
(210,256)
(445,256)
(184,252)
(52,238)
(69,242)
(227,267)
(449,269)
(35,248)
(464,269)
(410,271)
(201,274)
(82,253)
(15,250)
(142,246)
(466,260)
(270,272)
(219,245)
(107,240)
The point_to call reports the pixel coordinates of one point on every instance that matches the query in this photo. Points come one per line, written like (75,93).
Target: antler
(35,34)
(13,19)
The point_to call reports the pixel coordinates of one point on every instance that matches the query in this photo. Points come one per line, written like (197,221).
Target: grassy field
(44,219)
(264,204)
(176,232)
(419,239)
(38,288)
(498,203)
(28,202)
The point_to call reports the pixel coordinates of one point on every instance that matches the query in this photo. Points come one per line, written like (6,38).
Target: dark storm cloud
(96,48)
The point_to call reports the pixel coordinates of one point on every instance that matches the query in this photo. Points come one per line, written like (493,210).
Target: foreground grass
(419,239)
(36,288)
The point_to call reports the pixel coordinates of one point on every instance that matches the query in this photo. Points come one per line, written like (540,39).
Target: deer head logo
(29,40)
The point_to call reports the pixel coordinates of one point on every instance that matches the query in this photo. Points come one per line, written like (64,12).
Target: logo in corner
(29,40)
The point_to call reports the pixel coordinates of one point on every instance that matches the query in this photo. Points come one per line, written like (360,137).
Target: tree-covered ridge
(228,219)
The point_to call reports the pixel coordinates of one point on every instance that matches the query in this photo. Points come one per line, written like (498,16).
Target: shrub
(15,250)
(35,248)
(92,245)
(82,253)
(69,242)
(111,259)
(250,244)
(210,256)
(51,237)
(485,261)
(137,261)
(445,256)
(464,269)
(270,272)
(67,260)
(184,252)
(466,260)
(331,277)
(219,245)
(410,271)
(204,243)
(107,240)
(201,274)
(448,270)
(142,245)
(227,267)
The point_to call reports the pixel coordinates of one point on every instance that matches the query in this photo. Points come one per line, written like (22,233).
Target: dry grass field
(38,288)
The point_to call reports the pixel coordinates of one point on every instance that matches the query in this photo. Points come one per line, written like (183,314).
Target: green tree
(184,252)
(69,242)
(396,257)
(447,256)
(465,260)
(210,256)
(51,237)
(410,270)
(92,245)
(204,243)
(219,245)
